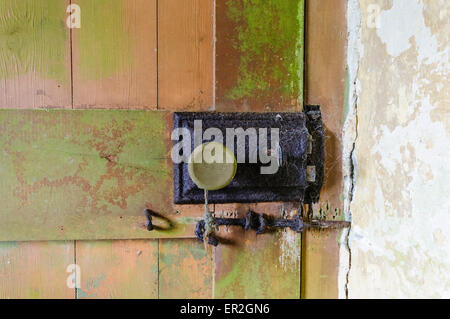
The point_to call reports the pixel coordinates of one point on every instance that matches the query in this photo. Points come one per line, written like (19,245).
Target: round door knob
(212,166)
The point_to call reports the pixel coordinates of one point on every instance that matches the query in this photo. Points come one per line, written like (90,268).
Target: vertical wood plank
(257,266)
(35,71)
(185,269)
(197,47)
(118,269)
(34,54)
(115,66)
(259,60)
(326,85)
(114,54)
(185,54)
(265,266)
(185,82)
(259,68)
(320,253)
(35,270)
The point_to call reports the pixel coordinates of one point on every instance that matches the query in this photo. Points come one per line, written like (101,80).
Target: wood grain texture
(326,86)
(259,59)
(109,91)
(118,269)
(185,83)
(259,68)
(185,269)
(114,55)
(257,266)
(35,72)
(185,54)
(35,270)
(320,262)
(86,174)
(35,68)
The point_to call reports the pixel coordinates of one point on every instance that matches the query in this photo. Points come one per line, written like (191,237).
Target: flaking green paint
(269,38)
(103,45)
(33,38)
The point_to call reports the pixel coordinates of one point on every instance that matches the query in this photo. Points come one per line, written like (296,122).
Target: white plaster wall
(397,146)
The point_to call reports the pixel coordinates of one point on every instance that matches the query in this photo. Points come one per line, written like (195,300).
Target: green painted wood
(259,266)
(33,38)
(35,68)
(114,55)
(260,48)
(86,174)
(259,67)
(263,266)
(185,269)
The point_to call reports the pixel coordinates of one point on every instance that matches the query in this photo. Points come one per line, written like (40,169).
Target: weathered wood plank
(257,266)
(325,85)
(259,68)
(34,54)
(259,55)
(118,269)
(185,82)
(171,68)
(114,54)
(185,55)
(123,74)
(35,72)
(86,174)
(35,270)
(185,269)
(320,263)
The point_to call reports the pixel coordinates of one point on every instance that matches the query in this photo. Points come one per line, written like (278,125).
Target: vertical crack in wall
(350,175)
(349,137)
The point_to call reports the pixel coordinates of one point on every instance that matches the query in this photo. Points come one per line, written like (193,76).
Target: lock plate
(301,145)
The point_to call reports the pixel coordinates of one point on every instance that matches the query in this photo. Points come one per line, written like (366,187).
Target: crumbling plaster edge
(349,138)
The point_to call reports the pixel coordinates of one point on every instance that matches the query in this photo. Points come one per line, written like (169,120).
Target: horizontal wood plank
(87,174)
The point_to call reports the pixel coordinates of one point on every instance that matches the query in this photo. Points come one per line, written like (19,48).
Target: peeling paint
(404,24)
(349,137)
(399,208)
(289,258)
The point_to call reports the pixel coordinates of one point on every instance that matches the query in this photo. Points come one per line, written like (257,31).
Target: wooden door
(159,56)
